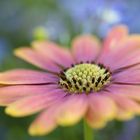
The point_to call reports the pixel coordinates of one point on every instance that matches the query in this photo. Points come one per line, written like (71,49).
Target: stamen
(85,77)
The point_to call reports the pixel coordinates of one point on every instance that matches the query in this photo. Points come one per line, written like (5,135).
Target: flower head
(99,82)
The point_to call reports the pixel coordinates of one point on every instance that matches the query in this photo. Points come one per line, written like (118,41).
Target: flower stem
(88,132)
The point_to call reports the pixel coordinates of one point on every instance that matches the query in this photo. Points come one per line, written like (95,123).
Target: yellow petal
(44,124)
(70,110)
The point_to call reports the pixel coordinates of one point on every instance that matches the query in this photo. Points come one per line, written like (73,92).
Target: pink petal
(115,36)
(128,76)
(125,57)
(101,110)
(127,53)
(32,104)
(10,94)
(44,124)
(22,76)
(37,59)
(130,91)
(69,110)
(56,53)
(85,48)
(125,105)
(113,40)
(27,90)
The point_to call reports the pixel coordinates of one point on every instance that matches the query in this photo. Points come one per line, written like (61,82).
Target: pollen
(85,78)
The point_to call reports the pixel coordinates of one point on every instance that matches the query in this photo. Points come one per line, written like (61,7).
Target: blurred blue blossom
(98,16)
(65,18)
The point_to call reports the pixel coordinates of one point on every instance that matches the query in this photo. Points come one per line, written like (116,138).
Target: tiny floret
(86,77)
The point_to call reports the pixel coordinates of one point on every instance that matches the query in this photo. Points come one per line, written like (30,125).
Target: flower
(88,81)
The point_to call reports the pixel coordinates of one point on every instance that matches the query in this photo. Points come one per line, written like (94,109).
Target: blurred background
(22,21)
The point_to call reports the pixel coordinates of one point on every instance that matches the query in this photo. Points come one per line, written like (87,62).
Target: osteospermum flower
(98,82)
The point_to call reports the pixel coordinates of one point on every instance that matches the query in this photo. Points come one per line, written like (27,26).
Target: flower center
(84,77)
